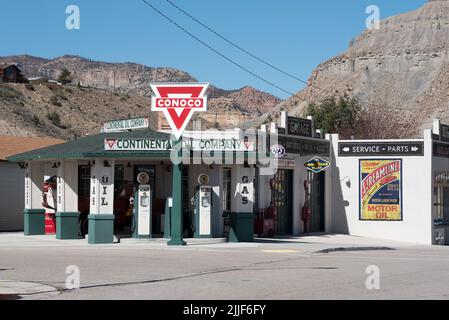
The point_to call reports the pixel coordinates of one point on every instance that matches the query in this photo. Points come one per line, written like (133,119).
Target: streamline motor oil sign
(381,189)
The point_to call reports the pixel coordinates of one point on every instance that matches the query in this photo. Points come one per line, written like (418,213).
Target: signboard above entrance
(403,148)
(295,126)
(293,145)
(444,132)
(126,124)
(299,127)
(113,144)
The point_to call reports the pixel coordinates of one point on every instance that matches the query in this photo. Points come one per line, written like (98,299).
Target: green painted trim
(67,225)
(101,228)
(102,216)
(167,221)
(142,237)
(205,236)
(241,227)
(33,222)
(68,214)
(176,214)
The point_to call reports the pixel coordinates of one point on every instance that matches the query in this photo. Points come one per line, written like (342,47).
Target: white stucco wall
(416,192)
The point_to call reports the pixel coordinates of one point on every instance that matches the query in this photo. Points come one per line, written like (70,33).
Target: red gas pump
(306,212)
(49,203)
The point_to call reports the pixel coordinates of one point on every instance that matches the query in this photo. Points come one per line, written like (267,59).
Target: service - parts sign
(381,189)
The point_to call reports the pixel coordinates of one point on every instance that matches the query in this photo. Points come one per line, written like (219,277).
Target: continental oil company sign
(381,189)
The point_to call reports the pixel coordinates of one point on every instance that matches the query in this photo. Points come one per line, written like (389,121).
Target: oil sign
(381,189)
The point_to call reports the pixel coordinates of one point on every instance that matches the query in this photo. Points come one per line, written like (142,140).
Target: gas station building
(98,181)
(126,184)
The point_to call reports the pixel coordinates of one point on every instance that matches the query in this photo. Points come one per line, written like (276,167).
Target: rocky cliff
(103,91)
(401,67)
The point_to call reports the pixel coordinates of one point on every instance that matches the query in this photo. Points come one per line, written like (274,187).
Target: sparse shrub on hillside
(54,101)
(29,86)
(54,118)
(9,93)
(65,77)
(36,120)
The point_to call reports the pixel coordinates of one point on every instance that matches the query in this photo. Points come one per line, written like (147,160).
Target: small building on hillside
(13,177)
(11,73)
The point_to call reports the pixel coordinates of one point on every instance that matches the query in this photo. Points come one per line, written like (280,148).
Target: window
(119,181)
(84,181)
(227,189)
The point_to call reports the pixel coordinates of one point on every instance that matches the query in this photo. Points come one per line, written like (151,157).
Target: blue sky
(295,35)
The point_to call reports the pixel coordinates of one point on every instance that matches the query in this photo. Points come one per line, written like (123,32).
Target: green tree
(65,76)
(336,115)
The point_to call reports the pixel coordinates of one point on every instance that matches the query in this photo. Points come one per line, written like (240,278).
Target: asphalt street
(297,268)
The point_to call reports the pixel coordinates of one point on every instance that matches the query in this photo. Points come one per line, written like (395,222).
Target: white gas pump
(142,212)
(202,212)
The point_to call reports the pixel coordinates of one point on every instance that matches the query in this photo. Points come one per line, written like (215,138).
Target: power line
(216,51)
(244,50)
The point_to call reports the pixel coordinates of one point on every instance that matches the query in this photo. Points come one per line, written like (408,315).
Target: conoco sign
(178,102)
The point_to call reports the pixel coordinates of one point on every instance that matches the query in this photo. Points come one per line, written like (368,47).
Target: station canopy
(93,146)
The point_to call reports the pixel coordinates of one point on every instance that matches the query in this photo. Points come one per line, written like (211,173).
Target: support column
(242,215)
(67,214)
(101,217)
(34,214)
(176,217)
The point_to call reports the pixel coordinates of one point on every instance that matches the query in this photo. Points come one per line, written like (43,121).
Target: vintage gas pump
(306,212)
(49,203)
(142,207)
(202,212)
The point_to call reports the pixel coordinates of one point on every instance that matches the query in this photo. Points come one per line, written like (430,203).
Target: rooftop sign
(178,102)
(126,124)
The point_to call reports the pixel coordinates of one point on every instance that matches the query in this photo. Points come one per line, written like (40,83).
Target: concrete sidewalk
(321,243)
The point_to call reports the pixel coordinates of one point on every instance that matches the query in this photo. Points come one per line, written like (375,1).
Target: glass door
(281,196)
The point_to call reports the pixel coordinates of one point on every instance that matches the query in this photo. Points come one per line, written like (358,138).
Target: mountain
(401,68)
(102,91)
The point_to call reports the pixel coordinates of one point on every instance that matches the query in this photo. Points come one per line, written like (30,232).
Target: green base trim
(204,236)
(101,228)
(33,222)
(67,225)
(176,242)
(142,237)
(241,227)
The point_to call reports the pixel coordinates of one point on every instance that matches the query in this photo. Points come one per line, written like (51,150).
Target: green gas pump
(202,212)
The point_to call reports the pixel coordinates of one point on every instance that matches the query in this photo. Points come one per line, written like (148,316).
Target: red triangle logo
(179,120)
(111,142)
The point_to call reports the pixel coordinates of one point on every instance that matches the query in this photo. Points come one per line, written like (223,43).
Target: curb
(330,250)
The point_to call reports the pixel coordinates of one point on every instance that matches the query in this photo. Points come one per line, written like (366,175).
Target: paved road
(285,269)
